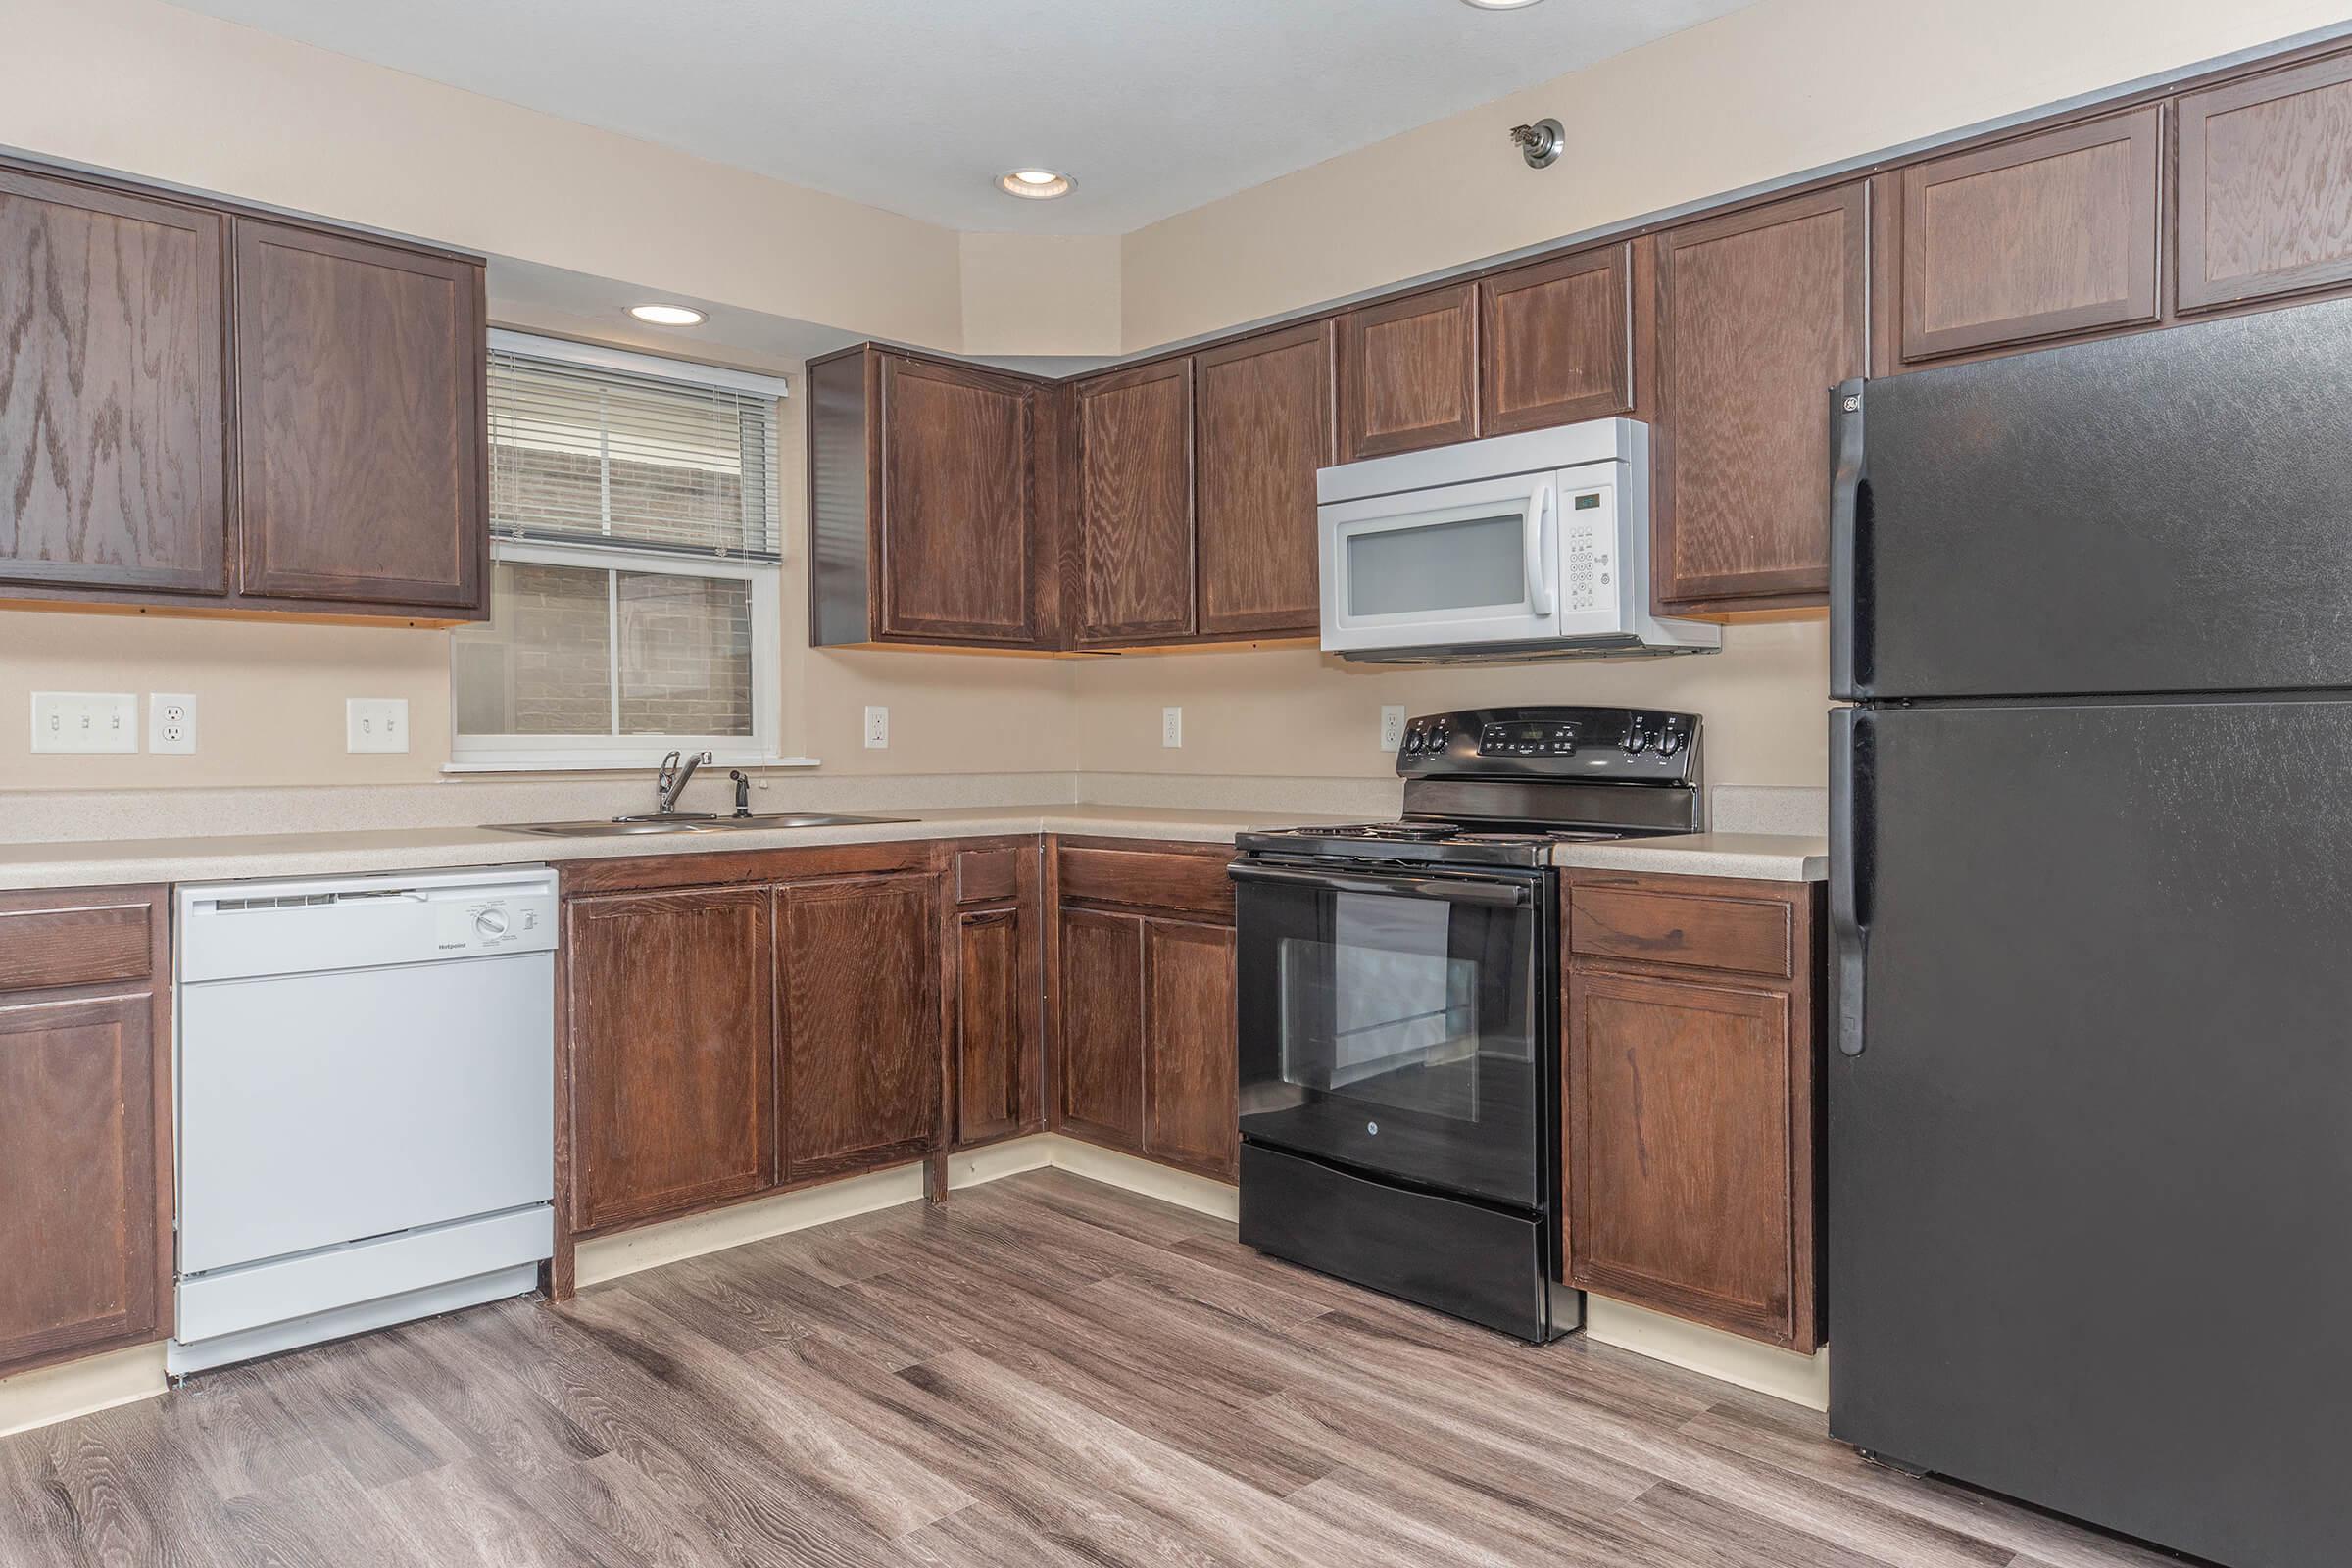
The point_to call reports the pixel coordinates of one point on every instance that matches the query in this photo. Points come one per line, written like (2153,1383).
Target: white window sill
(556,763)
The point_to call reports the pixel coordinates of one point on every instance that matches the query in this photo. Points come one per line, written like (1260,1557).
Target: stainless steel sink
(619,826)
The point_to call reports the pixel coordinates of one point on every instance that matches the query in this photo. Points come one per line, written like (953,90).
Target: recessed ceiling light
(1036,184)
(668,315)
(1500,5)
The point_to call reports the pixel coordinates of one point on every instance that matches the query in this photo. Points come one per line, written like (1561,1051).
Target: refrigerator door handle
(1852,736)
(1850,543)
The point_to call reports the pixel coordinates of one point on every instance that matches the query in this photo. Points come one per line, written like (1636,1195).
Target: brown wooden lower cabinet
(1145,1049)
(857,962)
(998,954)
(1693,1099)
(85,1123)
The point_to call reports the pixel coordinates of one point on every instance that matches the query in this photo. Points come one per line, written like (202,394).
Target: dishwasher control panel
(487,922)
(249,930)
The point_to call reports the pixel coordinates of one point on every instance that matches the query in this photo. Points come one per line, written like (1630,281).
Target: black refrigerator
(2090,1084)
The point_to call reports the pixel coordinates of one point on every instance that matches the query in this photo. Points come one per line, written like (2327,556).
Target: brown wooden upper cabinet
(2265,186)
(1262,408)
(1408,372)
(1556,341)
(2043,236)
(1760,313)
(1135,503)
(111,455)
(360,423)
(360,443)
(923,502)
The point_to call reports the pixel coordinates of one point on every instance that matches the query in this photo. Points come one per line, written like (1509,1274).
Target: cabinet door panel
(1100,1039)
(111,390)
(859,963)
(957,514)
(2045,235)
(1686,1170)
(995,1033)
(2265,186)
(361,434)
(673,1051)
(1192,1110)
(1556,342)
(1264,429)
(1760,313)
(1135,500)
(1408,373)
(82,1099)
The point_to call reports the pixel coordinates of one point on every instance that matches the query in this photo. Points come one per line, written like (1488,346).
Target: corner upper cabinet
(2048,235)
(925,509)
(2265,186)
(1134,494)
(1556,341)
(1760,313)
(1408,372)
(1263,411)
(111,473)
(361,432)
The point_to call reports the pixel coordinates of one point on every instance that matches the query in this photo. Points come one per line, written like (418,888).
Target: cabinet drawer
(78,941)
(987,876)
(1194,884)
(1692,930)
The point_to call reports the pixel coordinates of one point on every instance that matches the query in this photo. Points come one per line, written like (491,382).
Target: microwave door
(1461,565)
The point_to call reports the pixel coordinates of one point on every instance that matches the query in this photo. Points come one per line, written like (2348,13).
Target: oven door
(1394,1021)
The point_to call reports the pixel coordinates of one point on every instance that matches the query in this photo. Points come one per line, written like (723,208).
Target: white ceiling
(1154,106)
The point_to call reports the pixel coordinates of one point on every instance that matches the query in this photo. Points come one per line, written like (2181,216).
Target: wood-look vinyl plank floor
(1046,1373)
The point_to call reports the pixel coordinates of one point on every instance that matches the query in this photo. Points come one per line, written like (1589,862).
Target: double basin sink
(688,822)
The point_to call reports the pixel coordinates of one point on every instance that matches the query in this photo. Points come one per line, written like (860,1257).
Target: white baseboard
(60,1393)
(1784,1375)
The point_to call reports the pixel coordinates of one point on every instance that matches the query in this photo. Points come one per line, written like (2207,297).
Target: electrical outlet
(877,727)
(1391,726)
(85,722)
(375,725)
(1171,726)
(171,724)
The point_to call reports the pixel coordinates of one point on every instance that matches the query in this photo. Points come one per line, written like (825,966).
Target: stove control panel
(1617,744)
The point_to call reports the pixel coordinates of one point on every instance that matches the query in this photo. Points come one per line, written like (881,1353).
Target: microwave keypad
(1587,567)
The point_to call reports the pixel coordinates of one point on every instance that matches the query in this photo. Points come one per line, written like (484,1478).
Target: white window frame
(763,748)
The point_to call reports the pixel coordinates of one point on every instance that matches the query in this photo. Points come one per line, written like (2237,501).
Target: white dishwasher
(365,1091)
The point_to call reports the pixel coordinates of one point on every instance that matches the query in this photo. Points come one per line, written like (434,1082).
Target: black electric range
(1398,1000)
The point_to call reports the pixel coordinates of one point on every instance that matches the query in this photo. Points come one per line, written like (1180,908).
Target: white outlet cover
(1391,726)
(375,725)
(172,723)
(877,727)
(85,722)
(1171,726)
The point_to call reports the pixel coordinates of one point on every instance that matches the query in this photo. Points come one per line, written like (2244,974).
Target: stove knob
(1635,743)
(1669,743)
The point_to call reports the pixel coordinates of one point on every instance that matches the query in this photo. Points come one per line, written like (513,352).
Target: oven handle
(1539,505)
(1495,895)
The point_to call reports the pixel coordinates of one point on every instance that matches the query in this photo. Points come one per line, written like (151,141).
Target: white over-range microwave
(1530,546)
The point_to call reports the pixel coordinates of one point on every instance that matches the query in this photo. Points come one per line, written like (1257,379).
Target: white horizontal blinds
(583,456)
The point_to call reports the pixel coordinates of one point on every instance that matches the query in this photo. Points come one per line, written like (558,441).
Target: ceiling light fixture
(1499,5)
(668,315)
(1036,184)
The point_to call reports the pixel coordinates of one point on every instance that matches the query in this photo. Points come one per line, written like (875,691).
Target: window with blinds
(585,456)
(634,596)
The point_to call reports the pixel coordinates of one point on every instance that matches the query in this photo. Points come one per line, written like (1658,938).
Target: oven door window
(1393,1032)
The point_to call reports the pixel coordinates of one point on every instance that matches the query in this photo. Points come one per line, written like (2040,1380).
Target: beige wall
(1296,712)
(1758,95)
(1040,294)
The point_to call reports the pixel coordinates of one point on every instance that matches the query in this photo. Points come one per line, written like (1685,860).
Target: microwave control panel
(1588,552)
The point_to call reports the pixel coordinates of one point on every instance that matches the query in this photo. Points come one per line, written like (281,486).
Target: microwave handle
(1540,506)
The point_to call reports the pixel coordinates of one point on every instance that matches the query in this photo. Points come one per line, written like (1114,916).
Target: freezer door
(2165,511)
(2090,1172)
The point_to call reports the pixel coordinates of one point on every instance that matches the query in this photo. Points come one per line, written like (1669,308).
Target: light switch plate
(1392,725)
(375,725)
(1171,726)
(877,727)
(85,722)
(172,723)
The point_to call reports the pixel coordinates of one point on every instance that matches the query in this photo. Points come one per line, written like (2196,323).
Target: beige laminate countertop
(274,856)
(1760,856)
